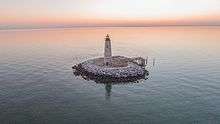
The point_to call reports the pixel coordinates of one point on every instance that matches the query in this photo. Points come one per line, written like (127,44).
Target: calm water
(37,84)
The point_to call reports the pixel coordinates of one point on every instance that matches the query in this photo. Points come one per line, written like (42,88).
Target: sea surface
(37,84)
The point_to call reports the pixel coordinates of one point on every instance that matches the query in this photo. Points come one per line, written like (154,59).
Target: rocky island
(112,68)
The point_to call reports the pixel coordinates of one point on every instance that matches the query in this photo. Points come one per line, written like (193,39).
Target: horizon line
(71,27)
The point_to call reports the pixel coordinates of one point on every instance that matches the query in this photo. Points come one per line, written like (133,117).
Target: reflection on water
(37,83)
(108,84)
(108,88)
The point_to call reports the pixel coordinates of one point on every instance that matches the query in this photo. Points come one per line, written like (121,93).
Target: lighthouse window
(107,64)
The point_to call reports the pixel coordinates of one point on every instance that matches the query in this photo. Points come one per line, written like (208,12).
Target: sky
(70,13)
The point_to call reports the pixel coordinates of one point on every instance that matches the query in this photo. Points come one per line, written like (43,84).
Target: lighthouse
(107,51)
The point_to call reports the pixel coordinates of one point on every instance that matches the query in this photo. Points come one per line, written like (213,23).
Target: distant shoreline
(75,27)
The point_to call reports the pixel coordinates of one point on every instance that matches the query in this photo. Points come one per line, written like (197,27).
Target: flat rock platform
(122,69)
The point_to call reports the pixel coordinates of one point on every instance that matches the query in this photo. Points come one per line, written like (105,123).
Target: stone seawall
(131,72)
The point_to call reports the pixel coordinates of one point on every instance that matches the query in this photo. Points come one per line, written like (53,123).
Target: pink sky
(57,13)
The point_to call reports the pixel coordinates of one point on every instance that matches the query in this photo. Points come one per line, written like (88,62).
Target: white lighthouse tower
(108,51)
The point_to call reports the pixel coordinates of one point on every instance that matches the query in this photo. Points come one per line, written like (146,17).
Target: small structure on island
(110,68)
(107,52)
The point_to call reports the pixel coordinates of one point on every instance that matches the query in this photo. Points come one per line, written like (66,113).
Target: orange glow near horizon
(55,13)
